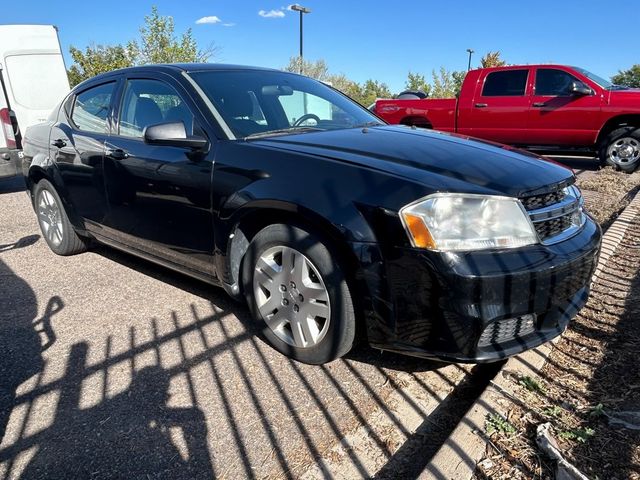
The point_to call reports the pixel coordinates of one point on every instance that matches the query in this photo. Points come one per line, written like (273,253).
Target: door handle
(481,105)
(538,104)
(59,143)
(116,153)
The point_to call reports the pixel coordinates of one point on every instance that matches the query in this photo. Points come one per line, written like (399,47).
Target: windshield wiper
(284,131)
(618,87)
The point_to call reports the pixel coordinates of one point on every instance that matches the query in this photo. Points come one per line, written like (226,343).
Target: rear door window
(506,83)
(91,108)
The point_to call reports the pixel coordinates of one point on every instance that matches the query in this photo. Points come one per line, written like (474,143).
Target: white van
(33,79)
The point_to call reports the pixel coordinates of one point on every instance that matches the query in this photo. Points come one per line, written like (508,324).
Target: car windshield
(596,78)
(258,103)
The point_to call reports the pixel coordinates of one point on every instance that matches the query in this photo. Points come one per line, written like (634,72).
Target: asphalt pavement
(111,367)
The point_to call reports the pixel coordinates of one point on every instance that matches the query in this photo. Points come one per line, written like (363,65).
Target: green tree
(158,43)
(97,59)
(629,78)
(416,81)
(492,59)
(372,90)
(446,84)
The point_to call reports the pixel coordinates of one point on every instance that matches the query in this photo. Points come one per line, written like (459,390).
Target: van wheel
(54,222)
(621,149)
(298,292)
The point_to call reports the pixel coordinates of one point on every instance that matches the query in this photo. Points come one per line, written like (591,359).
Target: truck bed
(440,112)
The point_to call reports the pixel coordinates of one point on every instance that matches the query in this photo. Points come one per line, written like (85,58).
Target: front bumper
(10,163)
(437,305)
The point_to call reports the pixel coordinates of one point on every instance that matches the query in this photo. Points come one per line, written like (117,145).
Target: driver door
(558,117)
(159,196)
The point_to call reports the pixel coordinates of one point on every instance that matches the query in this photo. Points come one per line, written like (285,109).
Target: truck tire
(298,293)
(620,149)
(54,222)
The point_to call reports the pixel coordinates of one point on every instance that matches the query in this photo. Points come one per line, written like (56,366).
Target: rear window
(91,108)
(507,83)
(31,89)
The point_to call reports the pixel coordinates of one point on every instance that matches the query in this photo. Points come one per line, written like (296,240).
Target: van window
(506,83)
(31,89)
(91,108)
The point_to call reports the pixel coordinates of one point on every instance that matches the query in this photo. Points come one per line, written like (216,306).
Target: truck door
(500,107)
(560,116)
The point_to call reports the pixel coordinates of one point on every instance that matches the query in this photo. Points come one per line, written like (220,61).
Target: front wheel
(621,149)
(298,292)
(54,222)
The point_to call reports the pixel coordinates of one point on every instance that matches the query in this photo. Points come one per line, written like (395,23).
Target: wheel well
(417,121)
(617,122)
(35,175)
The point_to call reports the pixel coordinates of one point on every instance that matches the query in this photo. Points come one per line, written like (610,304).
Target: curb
(458,456)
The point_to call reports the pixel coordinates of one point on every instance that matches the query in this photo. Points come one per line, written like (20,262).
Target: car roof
(174,68)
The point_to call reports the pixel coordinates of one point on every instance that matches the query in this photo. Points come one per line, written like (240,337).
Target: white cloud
(271,13)
(210,19)
(228,24)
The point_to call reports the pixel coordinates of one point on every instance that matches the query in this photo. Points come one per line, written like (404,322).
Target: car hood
(440,161)
(625,97)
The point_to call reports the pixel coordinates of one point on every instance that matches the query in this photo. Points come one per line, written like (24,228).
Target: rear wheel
(298,292)
(54,222)
(621,149)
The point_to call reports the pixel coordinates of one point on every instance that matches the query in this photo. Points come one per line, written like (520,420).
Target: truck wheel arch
(416,120)
(615,123)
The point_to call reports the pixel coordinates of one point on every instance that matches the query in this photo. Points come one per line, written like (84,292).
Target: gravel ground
(591,377)
(111,367)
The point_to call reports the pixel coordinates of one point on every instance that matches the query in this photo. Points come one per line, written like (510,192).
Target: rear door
(159,196)
(501,107)
(558,117)
(77,146)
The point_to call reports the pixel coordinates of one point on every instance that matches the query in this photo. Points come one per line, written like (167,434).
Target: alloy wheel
(50,218)
(624,151)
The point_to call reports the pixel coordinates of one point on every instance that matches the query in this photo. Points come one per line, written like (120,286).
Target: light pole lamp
(302,10)
(470,51)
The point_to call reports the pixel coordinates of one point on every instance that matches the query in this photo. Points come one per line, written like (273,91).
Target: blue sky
(375,39)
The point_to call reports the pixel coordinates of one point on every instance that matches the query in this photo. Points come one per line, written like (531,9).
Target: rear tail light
(7,128)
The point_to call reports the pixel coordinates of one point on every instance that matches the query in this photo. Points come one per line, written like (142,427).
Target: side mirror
(173,134)
(579,88)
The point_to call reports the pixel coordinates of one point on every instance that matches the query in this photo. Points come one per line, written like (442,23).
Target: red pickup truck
(540,107)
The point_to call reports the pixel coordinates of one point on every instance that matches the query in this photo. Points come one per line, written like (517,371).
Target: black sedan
(328,222)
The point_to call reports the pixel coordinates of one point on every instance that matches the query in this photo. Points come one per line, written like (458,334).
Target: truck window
(91,108)
(506,83)
(553,82)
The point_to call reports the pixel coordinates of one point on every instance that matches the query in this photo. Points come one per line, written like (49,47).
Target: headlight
(455,222)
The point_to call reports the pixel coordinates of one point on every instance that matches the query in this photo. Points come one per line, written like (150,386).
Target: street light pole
(470,53)
(302,10)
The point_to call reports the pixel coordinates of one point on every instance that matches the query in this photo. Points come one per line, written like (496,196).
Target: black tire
(619,134)
(66,241)
(341,329)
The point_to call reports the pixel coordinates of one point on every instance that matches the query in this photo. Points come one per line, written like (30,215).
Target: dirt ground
(590,384)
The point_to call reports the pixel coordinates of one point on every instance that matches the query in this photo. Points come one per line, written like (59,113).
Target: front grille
(502,331)
(544,200)
(555,215)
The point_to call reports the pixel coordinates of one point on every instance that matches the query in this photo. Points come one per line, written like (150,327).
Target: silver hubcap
(50,217)
(624,151)
(291,297)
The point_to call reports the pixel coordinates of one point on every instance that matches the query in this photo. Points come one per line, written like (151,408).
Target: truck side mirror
(579,88)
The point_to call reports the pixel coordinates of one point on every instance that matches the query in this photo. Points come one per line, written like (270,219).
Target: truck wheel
(54,223)
(621,149)
(298,293)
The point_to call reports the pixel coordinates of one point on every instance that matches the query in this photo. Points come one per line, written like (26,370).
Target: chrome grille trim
(558,221)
